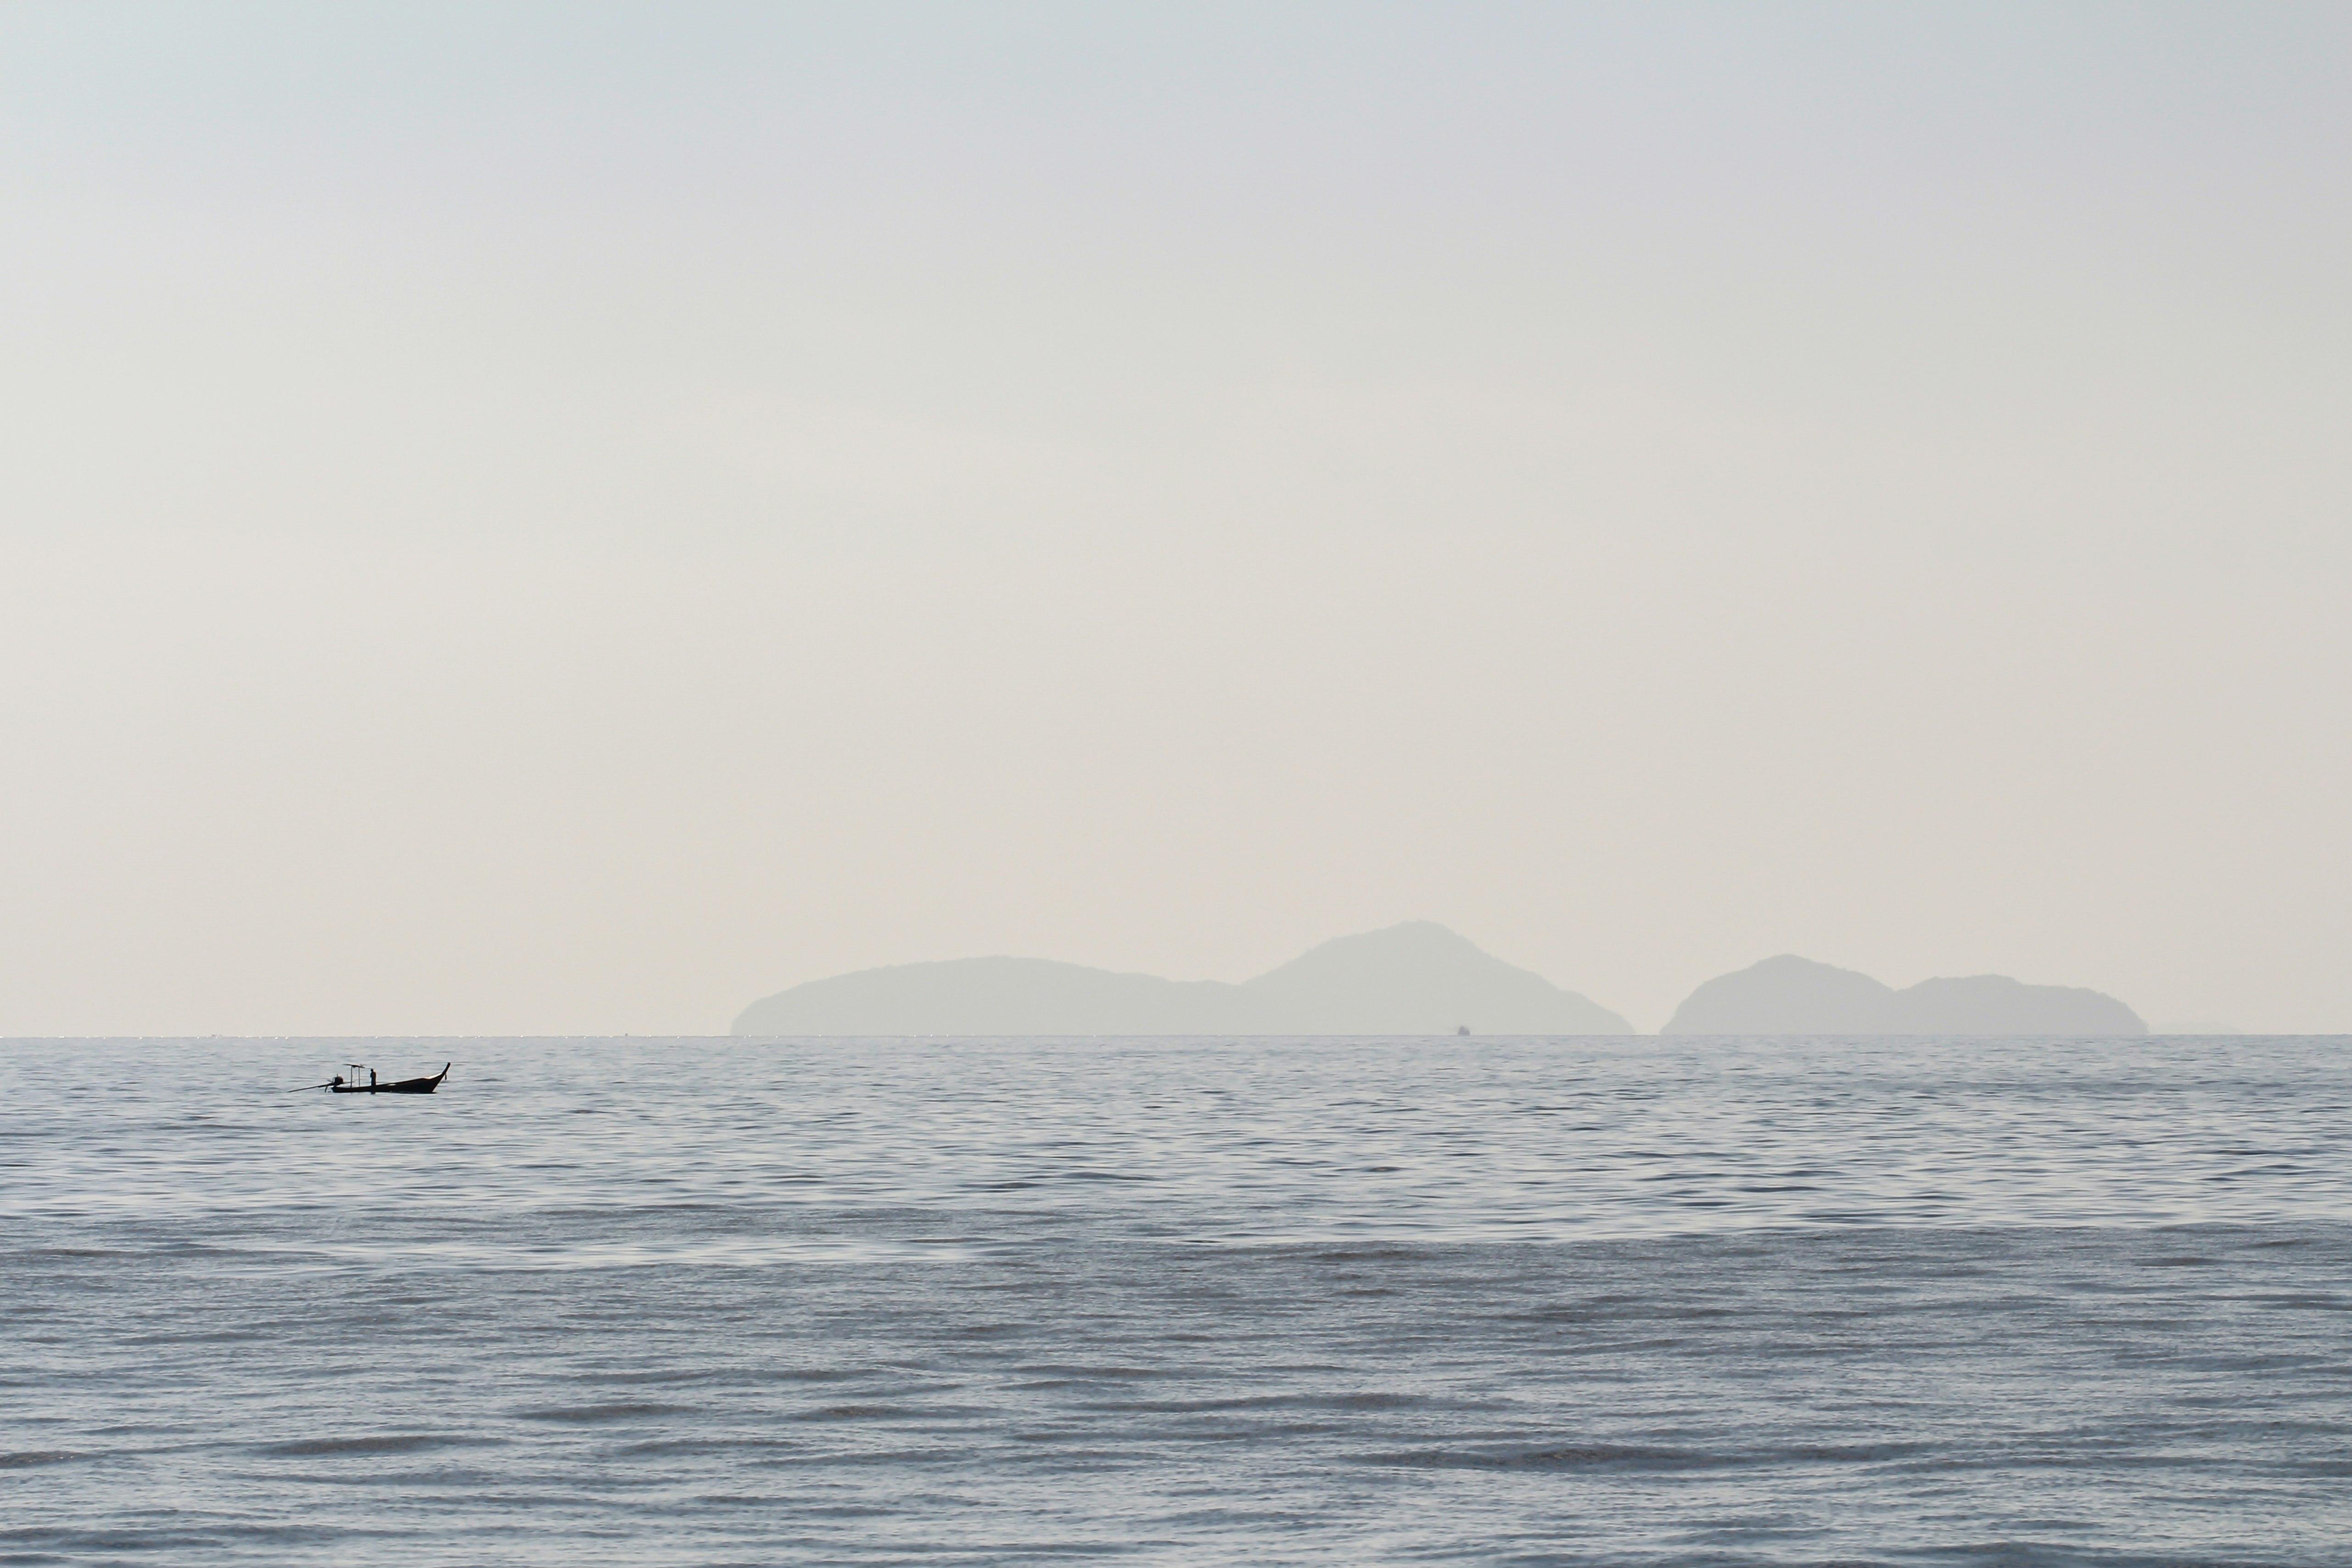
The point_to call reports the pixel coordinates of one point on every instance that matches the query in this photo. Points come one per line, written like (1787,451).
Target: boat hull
(405,1086)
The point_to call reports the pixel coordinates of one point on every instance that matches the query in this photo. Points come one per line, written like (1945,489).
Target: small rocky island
(1792,996)
(1418,978)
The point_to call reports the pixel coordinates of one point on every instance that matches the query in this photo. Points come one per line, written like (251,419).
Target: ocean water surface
(1641,1301)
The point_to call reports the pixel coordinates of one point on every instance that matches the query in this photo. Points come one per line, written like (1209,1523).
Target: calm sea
(1270,1301)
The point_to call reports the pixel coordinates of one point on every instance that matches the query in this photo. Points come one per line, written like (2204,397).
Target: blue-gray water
(1328,1301)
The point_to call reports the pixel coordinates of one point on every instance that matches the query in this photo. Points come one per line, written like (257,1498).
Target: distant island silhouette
(1418,978)
(1792,996)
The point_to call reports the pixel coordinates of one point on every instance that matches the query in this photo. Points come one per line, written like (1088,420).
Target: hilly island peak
(1792,996)
(1417,978)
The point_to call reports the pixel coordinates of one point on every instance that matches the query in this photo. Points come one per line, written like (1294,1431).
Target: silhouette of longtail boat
(352,1085)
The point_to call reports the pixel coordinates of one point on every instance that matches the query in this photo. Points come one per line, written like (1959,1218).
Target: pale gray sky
(571,518)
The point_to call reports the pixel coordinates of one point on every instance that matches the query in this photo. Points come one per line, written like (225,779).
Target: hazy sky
(569,518)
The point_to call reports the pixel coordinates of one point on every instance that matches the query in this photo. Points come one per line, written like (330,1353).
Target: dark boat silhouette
(405,1086)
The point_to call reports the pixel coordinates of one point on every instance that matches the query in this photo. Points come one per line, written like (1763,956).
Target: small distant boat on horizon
(352,1085)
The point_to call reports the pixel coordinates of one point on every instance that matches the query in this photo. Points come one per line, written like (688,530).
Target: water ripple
(1571,1302)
